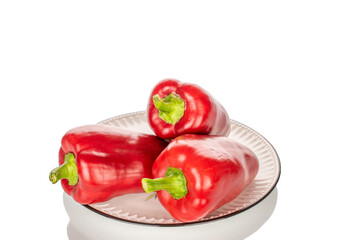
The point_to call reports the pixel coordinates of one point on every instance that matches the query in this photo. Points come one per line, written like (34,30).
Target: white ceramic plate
(146,209)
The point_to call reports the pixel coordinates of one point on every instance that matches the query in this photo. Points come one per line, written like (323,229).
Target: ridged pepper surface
(177,108)
(197,174)
(99,162)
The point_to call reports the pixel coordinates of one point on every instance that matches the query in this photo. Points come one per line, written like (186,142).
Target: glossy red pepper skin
(216,169)
(111,161)
(203,114)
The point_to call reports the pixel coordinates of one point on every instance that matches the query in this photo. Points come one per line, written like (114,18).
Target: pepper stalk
(174,182)
(68,170)
(171,107)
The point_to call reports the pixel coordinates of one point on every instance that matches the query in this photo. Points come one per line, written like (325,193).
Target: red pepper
(177,108)
(197,174)
(99,162)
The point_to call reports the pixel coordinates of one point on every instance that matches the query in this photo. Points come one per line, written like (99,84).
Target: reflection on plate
(146,209)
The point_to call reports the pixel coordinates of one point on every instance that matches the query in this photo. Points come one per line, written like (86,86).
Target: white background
(276,66)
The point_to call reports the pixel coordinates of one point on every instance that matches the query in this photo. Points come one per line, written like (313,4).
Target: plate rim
(179,224)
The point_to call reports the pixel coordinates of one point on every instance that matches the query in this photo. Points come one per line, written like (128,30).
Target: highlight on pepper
(101,162)
(176,108)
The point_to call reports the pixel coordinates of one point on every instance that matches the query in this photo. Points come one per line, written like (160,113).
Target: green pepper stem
(68,170)
(161,105)
(171,107)
(174,182)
